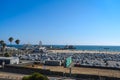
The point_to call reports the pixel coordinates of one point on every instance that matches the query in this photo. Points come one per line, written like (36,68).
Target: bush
(7,55)
(25,78)
(35,76)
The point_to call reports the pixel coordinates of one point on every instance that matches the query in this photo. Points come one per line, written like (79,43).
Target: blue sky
(77,22)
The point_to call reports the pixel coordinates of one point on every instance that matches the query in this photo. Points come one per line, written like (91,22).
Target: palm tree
(11,40)
(1,42)
(17,41)
(3,47)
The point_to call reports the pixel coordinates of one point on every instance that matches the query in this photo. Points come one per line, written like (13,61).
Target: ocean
(84,47)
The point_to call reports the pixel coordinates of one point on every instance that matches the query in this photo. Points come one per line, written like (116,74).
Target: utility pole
(70,71)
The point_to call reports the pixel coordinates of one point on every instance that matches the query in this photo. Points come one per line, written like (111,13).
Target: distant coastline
(83,47)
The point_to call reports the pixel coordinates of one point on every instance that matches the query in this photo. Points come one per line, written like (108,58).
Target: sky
(62,22)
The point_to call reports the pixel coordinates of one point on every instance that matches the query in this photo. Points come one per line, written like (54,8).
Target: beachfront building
(9,60)
(40,50)
(11,48)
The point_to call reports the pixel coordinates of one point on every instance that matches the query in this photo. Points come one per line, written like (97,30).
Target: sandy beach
(81,51)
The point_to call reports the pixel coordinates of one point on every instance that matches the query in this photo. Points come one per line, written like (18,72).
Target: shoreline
(81,51)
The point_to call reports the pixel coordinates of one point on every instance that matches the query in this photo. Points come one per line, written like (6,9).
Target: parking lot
(86,59)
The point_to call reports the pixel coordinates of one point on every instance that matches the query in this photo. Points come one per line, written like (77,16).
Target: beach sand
(81,51)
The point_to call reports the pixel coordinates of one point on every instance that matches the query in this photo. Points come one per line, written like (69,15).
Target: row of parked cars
(86,59)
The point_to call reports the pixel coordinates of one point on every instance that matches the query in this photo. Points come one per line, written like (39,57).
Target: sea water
(84,47)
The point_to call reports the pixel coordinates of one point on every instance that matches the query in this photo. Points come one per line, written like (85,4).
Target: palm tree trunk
(3,51)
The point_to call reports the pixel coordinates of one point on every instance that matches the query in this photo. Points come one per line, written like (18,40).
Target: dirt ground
(82,70)
(10,76)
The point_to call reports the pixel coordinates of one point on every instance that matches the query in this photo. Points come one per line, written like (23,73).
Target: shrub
(7,55)
(25,78)
(35,76)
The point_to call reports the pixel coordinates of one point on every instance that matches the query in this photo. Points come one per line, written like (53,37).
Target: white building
(9,60)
